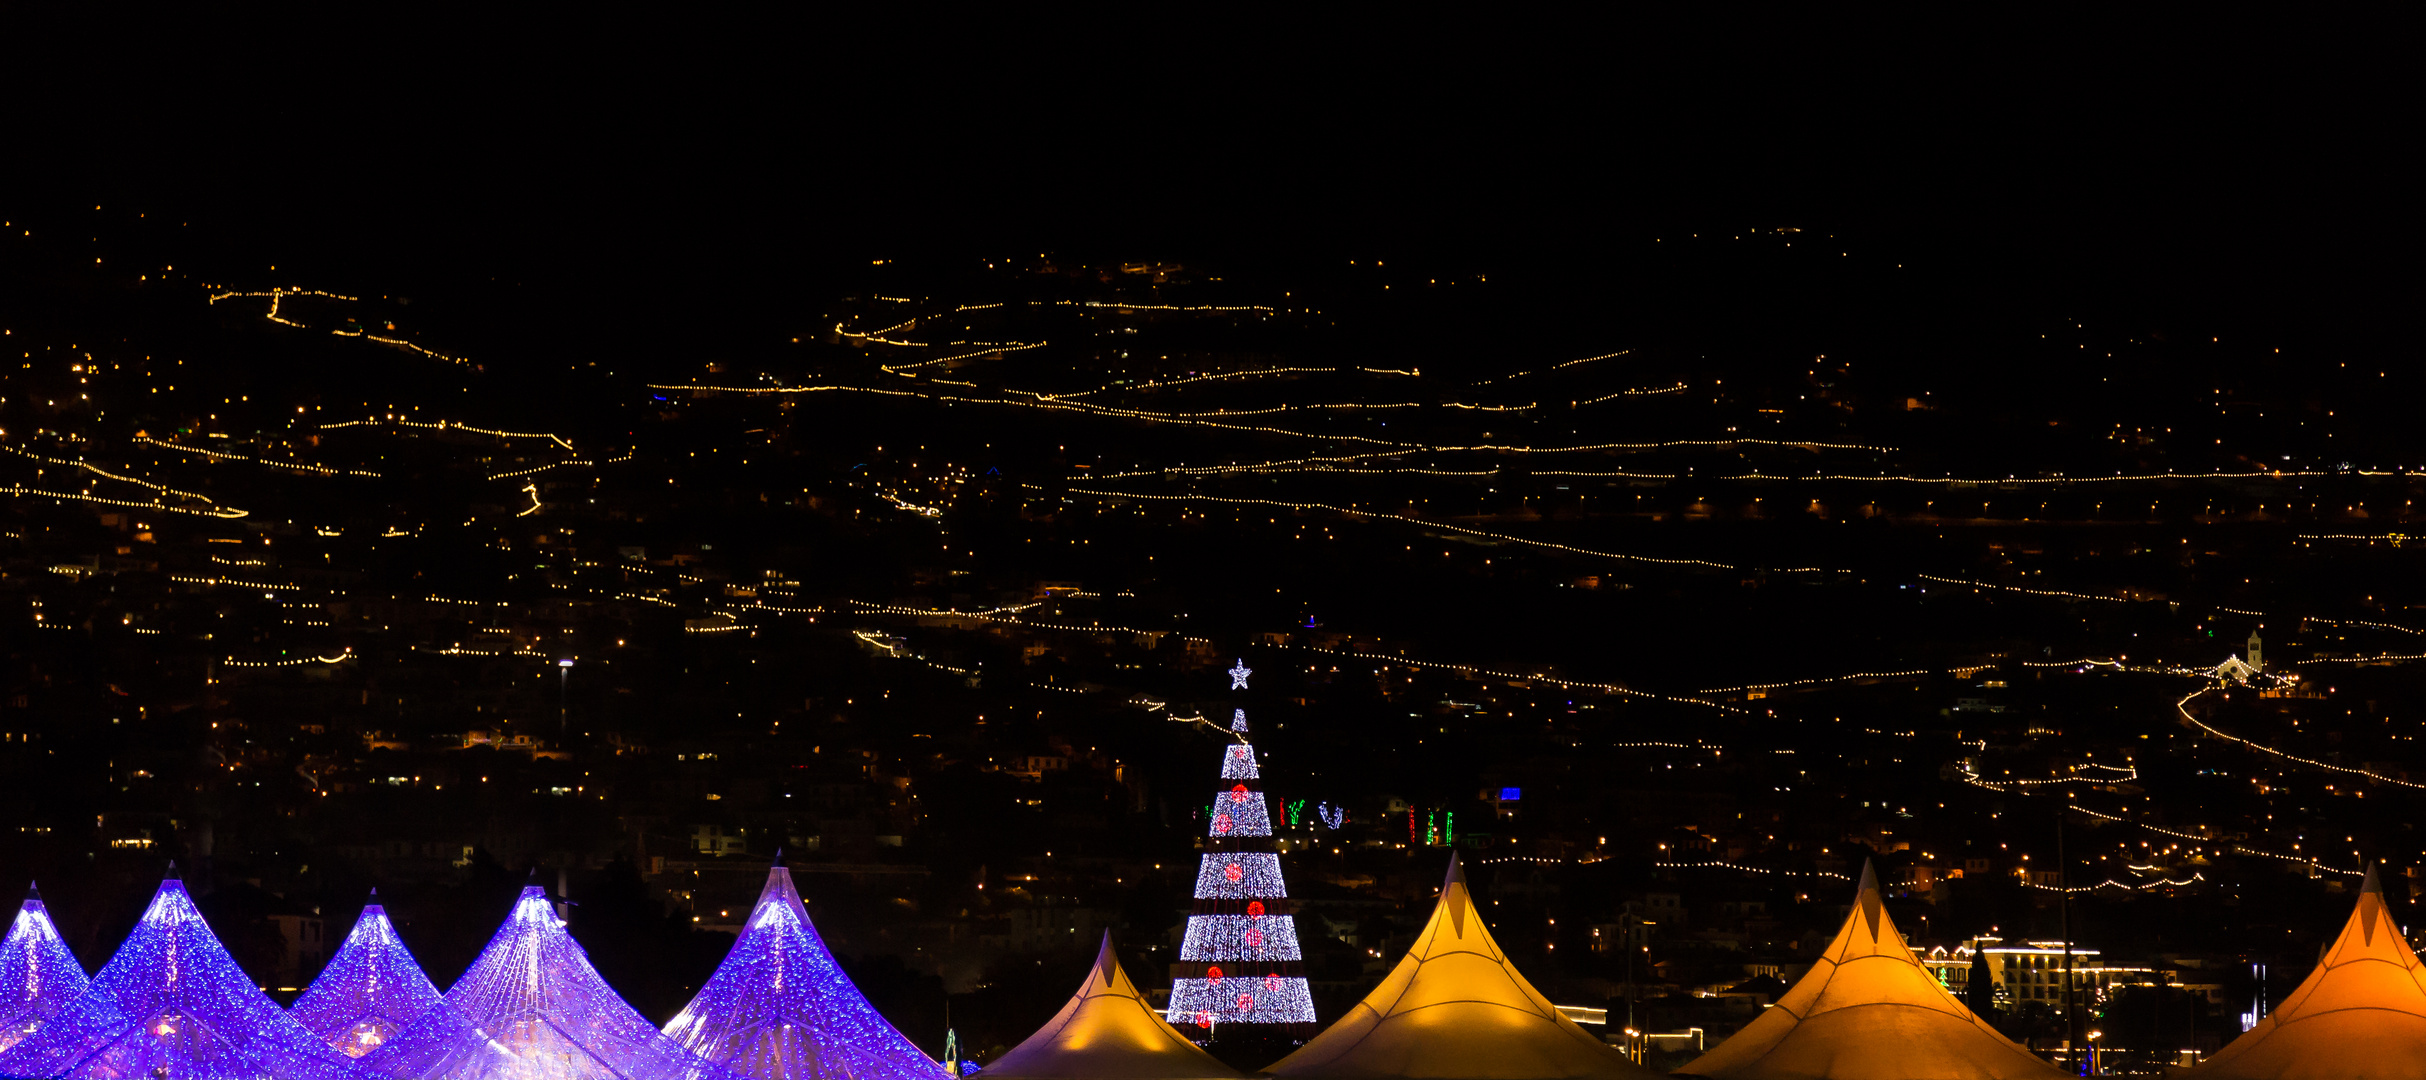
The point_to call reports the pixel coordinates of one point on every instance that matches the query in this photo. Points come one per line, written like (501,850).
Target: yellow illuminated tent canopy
(2361,1013)
(1868,1010)
(1107,1032)
(1456,1009)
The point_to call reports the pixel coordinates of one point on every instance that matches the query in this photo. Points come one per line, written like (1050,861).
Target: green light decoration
(1297,809)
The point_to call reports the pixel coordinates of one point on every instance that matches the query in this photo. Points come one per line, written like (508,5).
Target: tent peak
(172,874)
(1107,1030)
(778,863)
(1455,1005)
(2371,885)
(1869,907)
(33,891)
(374,897)
(1868,1007)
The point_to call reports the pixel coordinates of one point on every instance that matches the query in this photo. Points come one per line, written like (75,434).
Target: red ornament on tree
(1238,793)
(1214,973)
(1254,938)
(1233,872)
(1255,909)
(1246,1002)
(1221,823)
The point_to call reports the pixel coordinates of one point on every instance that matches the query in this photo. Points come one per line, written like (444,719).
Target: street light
(564,679)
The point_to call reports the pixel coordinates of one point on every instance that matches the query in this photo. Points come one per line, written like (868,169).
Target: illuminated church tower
(1239,963)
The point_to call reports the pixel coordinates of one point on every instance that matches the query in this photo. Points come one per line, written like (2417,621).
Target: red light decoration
(1233,872)
(1214,973)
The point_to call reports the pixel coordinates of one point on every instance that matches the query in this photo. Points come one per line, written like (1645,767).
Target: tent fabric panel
(369,991)
(39,977)
(531,1006)
(1468,1040)
(2354,1044)
(171,1002)
(1879,1042)
(2361,1015)
(2357,985)
(780,1008)
(1107,1032)
(1868,1010)
(1455,1009)
(1875,979)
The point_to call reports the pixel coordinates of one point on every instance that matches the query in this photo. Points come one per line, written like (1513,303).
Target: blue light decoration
(780,1008)
(532,1008)
(173,1005)
(38,976)
(1239,962)
(369,991)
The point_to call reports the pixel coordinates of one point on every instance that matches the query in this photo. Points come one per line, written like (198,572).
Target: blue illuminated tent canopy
(173,1005)
(779,1008)
(369,991)
(532,1008)
(38,976)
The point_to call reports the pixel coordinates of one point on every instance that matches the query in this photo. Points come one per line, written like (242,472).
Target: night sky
(2155,165)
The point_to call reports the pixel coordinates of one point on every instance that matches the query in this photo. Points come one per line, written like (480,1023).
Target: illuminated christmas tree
(532,1008)
(369,991)
(173,1005)
(38,976)
(1239,963)
(779,1008)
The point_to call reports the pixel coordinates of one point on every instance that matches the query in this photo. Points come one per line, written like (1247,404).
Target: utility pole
(1633,1029)
(564,681)
(2063,884)
(2156,1024)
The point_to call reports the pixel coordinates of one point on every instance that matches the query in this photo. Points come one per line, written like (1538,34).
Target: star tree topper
(1238,675)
